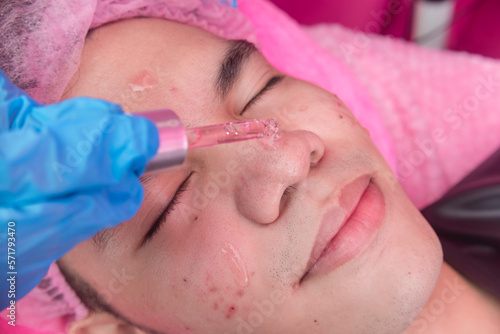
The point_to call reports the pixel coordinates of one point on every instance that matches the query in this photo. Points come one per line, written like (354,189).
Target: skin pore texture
(232,255)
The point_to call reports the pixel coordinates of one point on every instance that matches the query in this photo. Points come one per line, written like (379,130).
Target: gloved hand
(67,171)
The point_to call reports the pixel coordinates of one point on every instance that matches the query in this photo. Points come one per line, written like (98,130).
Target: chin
(384,290)
(395,280)
(414,256)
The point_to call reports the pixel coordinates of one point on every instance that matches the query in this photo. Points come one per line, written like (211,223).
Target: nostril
(315,157)
(285,197)
(316,148)
(288,190)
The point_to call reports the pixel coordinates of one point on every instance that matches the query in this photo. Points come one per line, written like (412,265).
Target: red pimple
(230,312)
(240,293)
(215,306)
(213,289)
(339,104)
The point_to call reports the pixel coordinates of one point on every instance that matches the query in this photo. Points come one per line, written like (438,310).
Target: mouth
(347,228)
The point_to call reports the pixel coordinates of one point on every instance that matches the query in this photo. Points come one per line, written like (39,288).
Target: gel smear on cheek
(235,262)
(142,81)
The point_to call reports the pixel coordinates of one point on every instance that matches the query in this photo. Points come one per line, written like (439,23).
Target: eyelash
(269,85)
(167,210)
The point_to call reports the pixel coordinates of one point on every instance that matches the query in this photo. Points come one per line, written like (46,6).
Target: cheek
(213,270)
(298,107)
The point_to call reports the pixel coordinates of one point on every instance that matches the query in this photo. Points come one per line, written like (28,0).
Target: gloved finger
(67,113)
(46,231)
(13,103)
(72,156)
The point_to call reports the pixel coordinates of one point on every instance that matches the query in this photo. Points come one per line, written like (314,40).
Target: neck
(457,306)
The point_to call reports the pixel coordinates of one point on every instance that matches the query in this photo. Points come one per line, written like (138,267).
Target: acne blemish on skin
(240,293)
(230,311)
(142,81)
(236,264)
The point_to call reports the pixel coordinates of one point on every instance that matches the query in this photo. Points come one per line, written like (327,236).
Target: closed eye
(270,84)
(162,218)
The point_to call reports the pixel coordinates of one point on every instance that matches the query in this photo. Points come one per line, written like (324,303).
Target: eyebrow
(238,52)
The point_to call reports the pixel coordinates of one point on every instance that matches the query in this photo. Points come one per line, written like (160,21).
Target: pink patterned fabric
(48,308)
(442,108)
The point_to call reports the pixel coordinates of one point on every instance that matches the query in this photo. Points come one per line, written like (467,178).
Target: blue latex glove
(67,171)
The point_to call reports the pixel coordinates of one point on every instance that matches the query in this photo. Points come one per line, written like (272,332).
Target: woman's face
(252,244)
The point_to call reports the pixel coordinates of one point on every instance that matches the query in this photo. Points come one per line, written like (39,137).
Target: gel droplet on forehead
(235,262)
(142,81)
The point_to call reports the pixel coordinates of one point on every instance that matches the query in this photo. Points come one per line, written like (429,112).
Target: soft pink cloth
(442,108)
(8,329)
(48,308)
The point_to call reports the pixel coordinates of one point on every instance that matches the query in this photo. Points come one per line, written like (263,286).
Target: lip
(347,228)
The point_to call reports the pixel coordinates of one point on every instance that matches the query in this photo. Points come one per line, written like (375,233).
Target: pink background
(476,28)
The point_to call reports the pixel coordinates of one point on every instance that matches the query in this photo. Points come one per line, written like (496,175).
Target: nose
(267,170)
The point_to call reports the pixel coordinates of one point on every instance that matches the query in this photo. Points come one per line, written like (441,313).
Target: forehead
(149,64)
